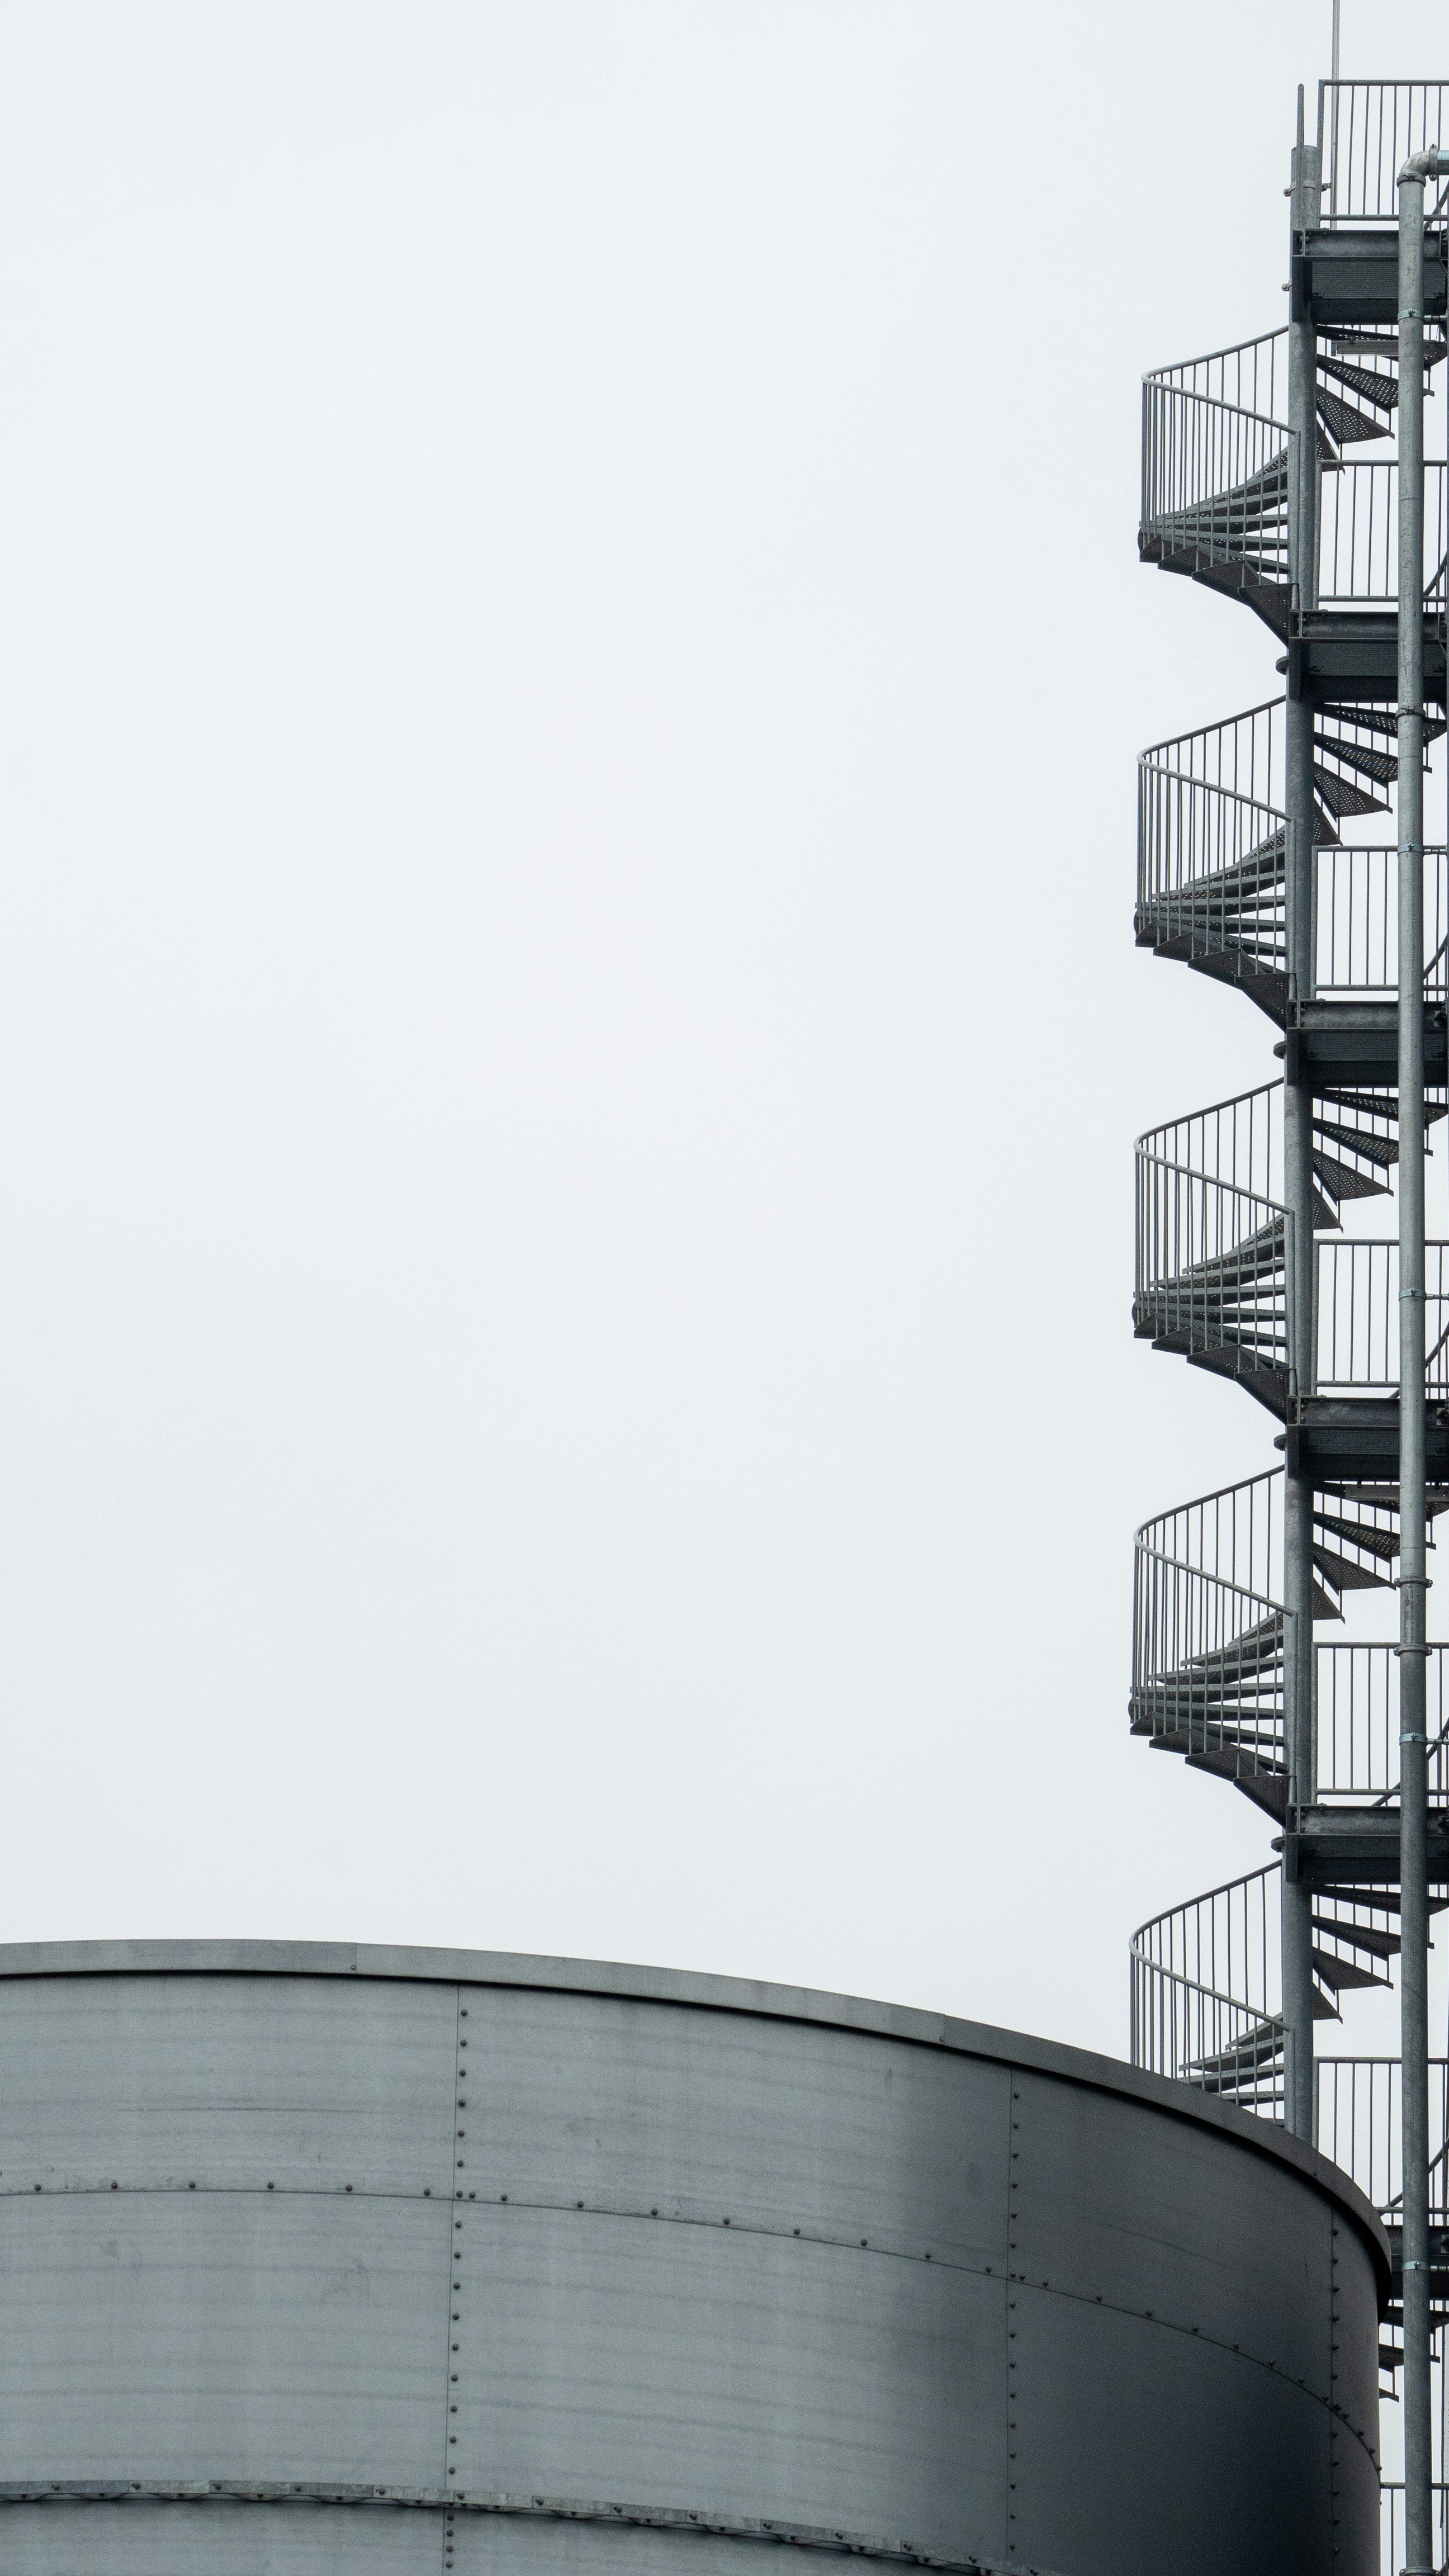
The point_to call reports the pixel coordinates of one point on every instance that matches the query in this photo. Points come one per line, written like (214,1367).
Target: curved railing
(1215,488)
(1215,1245)
(1212,843)
(1207,1993)
(1208,1635)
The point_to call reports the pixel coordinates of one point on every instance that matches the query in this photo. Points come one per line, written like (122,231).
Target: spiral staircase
(1267,861)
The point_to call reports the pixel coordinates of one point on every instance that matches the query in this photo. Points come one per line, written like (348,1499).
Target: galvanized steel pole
(1298,1189)
(1413,1532)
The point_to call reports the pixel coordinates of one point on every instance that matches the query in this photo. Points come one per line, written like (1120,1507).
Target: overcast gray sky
(573,659)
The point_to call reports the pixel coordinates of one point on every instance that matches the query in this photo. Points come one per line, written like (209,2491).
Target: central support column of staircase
(1300,1189)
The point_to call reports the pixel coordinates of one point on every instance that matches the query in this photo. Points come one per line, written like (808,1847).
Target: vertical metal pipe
(1298,1188)
(1413,1792)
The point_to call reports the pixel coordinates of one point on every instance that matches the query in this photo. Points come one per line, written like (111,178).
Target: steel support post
(1413,1570)
(1298,1190)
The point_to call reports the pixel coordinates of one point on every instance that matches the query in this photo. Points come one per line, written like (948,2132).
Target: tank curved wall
(326,2260)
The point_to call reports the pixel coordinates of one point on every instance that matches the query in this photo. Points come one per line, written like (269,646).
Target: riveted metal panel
(713,2368)
(155,2082)
(220,2539)
(1119,2203)
(221,2335)
(1141,2450)
(708,2115)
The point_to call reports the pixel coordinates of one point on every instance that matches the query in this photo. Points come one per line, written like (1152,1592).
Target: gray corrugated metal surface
(733,2373)
(145,2539)
(157,2082)
(490,2239)
(222,2335)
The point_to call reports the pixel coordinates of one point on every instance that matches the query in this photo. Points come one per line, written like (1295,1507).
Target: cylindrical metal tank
(370,2262)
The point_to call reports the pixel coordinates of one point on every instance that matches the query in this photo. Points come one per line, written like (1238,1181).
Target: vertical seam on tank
(1333,2459)
(452,2250)
(1013,2100)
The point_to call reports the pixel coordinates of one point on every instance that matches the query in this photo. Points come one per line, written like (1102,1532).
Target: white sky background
(573,659)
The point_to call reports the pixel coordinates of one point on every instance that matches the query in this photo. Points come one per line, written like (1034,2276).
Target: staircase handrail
(1206,786)
(1216,402)
(1166,377)
(1267,1484)
(1209,1180)
(1194,1904)
(1201,1574)
(1258,2013)
(1269,708)
(1214,1108)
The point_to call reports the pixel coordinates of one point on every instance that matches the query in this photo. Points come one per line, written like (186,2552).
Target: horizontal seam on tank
(772,2532)
(746,2227)
(474,2203)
